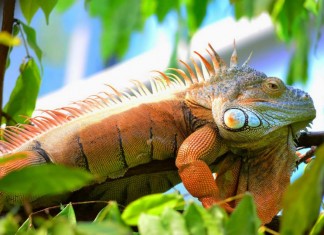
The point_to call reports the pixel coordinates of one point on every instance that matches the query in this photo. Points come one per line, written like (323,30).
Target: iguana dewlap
(235,114)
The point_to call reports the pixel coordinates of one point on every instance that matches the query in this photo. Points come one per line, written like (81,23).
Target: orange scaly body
(234,118)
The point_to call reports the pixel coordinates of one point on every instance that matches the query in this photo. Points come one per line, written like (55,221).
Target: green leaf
(102,228)
(318,228)
(117,26)
(196,12)
(24,227)
(174,222)
(244,219)
(151,225)
(8,224)
(68,213)
(22,100)
(303,198)
(148,8)
(165,6)
(28,8)
(298,67)
(47,179)
(109,213)
(8,40)
(194,220)
(58,226)
(200,221)
(251,8)
(151,204)
(64,5)
(31,40)
(169,222)
(311,5)
(47,6)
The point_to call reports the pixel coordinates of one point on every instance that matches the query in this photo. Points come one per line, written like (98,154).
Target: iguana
(233,115)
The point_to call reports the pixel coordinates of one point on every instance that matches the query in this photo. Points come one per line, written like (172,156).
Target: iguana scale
(234,114)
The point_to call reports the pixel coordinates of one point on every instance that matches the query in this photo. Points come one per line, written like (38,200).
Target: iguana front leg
(195,154)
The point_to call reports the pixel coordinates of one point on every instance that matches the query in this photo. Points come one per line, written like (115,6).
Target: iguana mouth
(297,127)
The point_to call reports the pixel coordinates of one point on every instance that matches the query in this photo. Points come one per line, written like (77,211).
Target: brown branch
(306,157)
(8,9)
(309,139)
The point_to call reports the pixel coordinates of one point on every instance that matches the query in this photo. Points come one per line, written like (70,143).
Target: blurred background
(80,56)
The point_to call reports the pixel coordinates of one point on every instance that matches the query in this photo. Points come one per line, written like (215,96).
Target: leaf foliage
(47,179)
(26,90)
(293,21)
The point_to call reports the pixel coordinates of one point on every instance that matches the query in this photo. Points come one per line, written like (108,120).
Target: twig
(306,156)
(7,23)
(17,22)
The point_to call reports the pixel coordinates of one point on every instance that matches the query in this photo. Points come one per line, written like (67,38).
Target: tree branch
(309,139)
(8,9)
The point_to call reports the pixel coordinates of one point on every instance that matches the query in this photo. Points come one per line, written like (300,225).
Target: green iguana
(233,115)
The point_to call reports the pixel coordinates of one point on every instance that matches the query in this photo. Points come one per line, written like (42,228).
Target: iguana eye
(235,119)
(273,86)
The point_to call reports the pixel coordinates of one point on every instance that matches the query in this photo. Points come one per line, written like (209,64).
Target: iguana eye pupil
(273,86)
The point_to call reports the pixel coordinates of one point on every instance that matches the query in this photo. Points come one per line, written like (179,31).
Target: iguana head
(247,104)
(250,105)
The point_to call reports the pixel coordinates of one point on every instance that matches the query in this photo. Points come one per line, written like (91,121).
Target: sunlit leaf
(151,204)
(244,219)
(8,224)
(28,8)
(110,213)
(169,222)
(174,222)
(64,5)
(318,228)
(196,11)
(303,198)
(148,8)
(298,67)
(68,213)
(311,5)
(58,226)
(117,26)
(31,40)
(102,228)
(164,7)
(151,225)
(201,221)
(251,8)
(24,227)
(47,179)
(47,7)
(8,40)
(22,99)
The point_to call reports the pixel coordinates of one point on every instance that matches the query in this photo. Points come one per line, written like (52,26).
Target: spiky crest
(14,136)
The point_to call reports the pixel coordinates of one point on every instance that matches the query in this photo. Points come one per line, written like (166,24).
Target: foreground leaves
(48,179)
(154,219)
(151,204)
(303,198)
